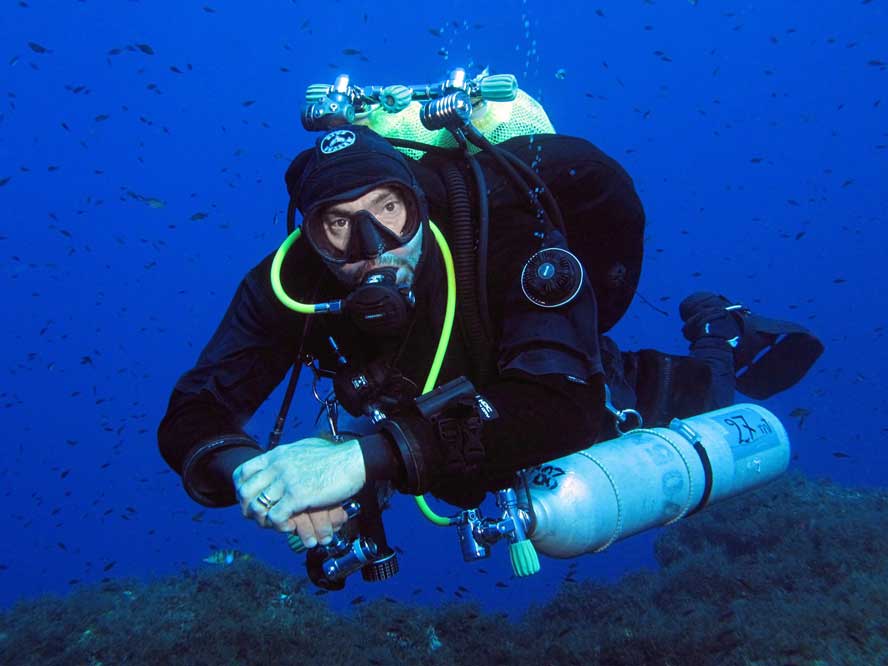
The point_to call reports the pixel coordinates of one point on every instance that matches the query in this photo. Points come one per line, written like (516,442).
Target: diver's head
(362,207)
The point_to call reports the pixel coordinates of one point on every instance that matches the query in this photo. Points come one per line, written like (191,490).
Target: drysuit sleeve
(202,434)
(461,455)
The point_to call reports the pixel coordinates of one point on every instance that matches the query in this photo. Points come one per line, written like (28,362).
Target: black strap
(274,437)
(707,477)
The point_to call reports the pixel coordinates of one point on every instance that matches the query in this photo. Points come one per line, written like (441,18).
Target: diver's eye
(391,207)
(338,224)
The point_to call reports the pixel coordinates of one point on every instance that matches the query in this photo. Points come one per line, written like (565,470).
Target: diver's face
(388,206)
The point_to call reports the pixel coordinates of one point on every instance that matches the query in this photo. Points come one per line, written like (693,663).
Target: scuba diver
(500,269)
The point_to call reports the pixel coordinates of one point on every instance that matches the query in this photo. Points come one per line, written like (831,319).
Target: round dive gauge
(552,277)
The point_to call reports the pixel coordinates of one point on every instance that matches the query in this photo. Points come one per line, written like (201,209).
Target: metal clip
(620,415)
(329,403)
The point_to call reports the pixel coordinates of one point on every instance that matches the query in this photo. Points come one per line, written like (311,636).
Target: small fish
(248,102)
(38,48)
(145,48)
(225,557)
(351,52)
(561,74)
(801,414)
(500,583)
(155,203)
(198,216)
(840,454)
(357,600)
(102,117)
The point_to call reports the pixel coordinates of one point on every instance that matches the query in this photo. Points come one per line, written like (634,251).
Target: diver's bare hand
(317,526)
(299,486)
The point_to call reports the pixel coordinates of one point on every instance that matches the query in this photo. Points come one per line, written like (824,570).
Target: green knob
(499,88)
(316,92)
(295,543)
(395,99)
(525,561)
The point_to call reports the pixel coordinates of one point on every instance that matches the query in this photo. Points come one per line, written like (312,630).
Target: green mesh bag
(498,121)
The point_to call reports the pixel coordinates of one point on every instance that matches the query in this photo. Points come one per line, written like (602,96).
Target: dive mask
(388,223)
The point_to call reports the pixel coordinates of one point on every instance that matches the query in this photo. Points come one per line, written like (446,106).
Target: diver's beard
(405,259)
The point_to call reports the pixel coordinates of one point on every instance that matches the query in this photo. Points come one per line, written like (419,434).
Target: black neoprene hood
(345,164)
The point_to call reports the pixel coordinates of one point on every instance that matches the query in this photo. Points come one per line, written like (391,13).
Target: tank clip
(620,415)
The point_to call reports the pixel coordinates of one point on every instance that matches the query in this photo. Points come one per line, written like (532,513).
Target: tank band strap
(693,438)
(707,477)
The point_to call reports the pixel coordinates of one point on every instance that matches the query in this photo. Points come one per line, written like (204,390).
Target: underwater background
(142,152)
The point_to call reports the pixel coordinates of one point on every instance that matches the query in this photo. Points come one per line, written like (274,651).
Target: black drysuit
(546,365)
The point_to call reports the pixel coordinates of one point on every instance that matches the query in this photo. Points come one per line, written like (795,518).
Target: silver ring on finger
(265,501)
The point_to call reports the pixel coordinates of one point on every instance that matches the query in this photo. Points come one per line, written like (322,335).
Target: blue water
(756,133)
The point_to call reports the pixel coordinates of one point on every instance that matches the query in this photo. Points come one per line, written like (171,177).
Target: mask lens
(341,236)
(330,237)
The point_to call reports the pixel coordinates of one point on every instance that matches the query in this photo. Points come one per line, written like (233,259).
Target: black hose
(291,216)
(422,147)
(501,158)
(552,209)
(463,244)
(483,244)
(274,437)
